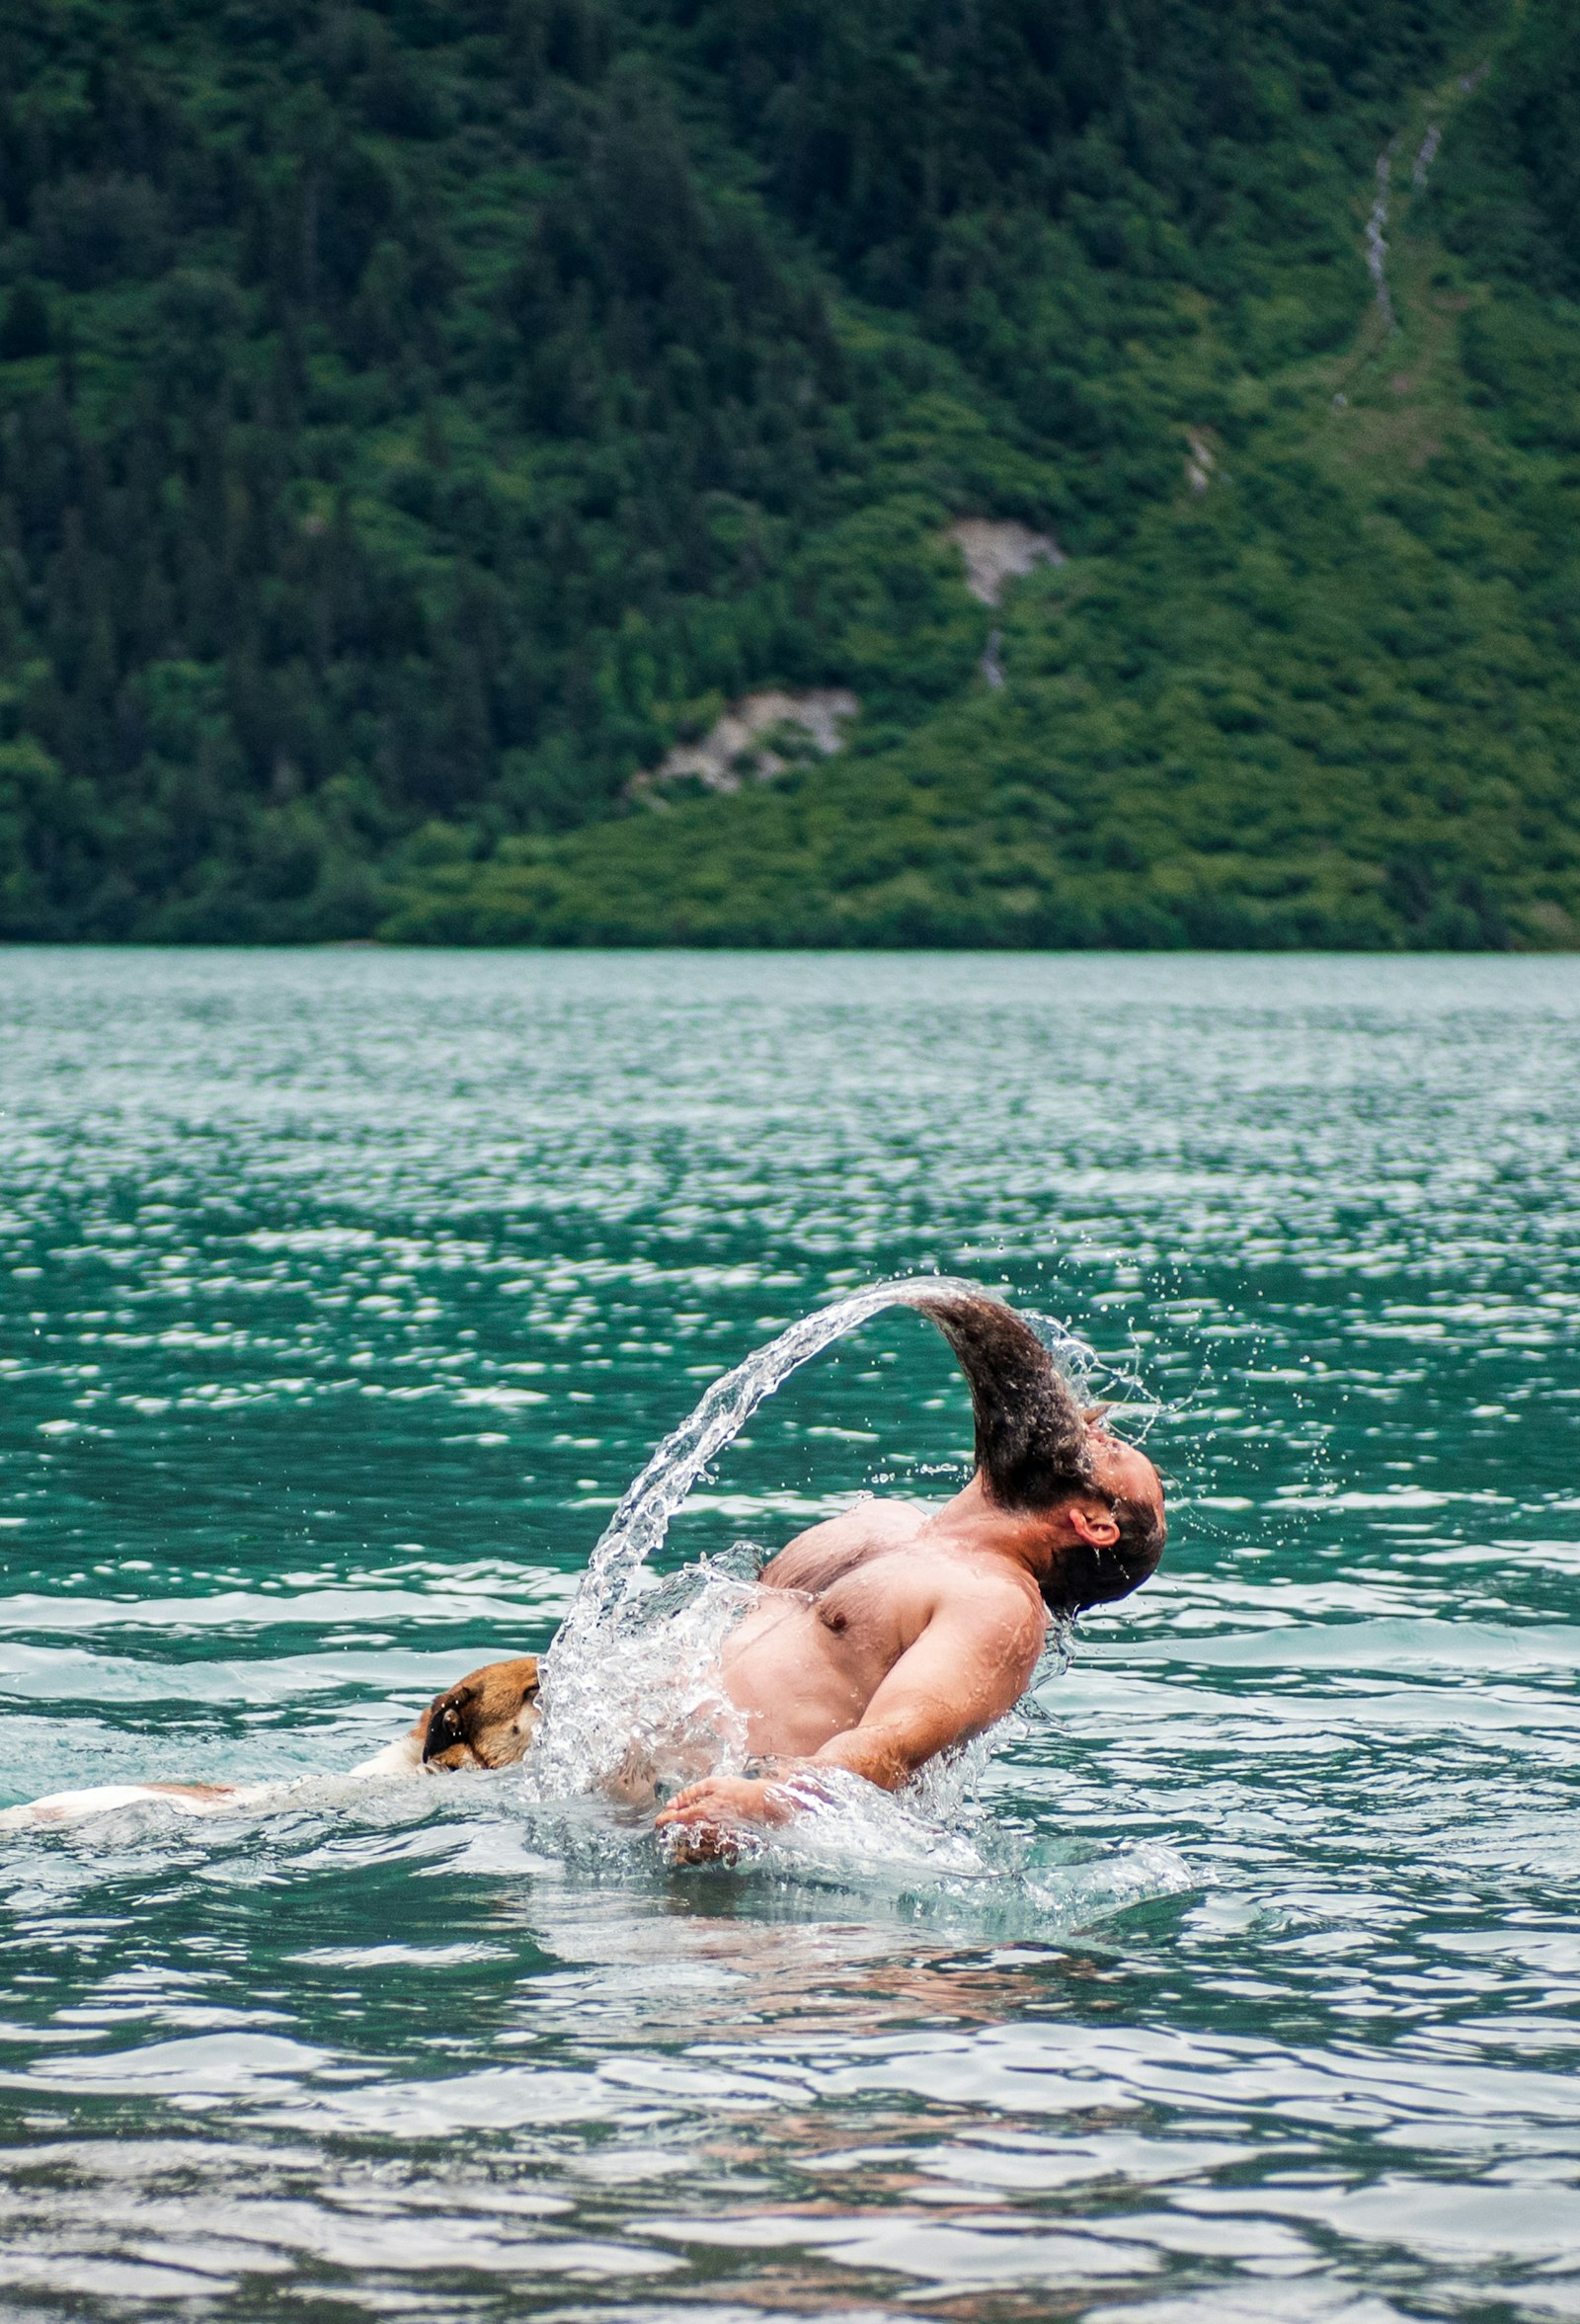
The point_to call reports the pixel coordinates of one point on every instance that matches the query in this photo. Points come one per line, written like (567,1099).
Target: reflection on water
(343,1295)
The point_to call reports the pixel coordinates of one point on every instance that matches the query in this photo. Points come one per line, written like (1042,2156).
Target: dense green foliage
(415,420)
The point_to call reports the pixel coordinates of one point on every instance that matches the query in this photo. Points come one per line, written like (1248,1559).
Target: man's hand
(706,1819)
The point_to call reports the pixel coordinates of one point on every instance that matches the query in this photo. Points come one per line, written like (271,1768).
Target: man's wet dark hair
(1032,1443)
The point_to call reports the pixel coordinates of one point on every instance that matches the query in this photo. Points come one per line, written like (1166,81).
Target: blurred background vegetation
(416,419)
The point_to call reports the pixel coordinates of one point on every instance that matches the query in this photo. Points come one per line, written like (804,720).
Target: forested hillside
(417,420)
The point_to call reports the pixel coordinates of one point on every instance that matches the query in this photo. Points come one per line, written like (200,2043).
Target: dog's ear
(447,1736)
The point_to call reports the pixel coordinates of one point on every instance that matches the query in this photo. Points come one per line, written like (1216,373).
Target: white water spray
(642,1519)
(576,1698)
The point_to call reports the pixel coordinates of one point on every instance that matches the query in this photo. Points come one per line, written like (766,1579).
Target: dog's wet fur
(485,1721)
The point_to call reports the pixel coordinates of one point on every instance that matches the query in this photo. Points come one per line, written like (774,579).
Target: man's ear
(1093,1524)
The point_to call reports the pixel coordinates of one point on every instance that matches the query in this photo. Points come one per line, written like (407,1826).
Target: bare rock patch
(757,739)
(999,551)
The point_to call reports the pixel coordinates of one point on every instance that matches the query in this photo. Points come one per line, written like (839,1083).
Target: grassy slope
(1333,700)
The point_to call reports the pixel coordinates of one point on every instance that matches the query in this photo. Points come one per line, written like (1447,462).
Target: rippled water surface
(341,1295)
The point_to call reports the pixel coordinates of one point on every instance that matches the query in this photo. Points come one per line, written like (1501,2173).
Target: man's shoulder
(942,1580)
(867,1529)
(987,1582)
(885,1519)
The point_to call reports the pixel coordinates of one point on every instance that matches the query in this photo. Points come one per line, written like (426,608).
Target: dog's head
(485,1721)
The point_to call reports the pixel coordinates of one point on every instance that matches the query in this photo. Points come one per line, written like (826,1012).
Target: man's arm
(970,1665)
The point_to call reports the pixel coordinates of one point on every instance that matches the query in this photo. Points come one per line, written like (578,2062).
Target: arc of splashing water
(642,1519)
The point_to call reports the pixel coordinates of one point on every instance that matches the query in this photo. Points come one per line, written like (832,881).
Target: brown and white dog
(486,1719)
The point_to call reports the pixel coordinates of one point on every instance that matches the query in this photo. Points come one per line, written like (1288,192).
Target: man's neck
(1028,1539)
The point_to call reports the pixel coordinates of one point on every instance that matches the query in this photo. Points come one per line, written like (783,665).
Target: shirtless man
(901,1632)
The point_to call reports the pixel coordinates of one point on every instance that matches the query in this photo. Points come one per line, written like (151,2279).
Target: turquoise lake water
(344,1292)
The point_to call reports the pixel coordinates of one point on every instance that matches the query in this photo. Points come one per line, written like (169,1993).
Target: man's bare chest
(870,1615)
